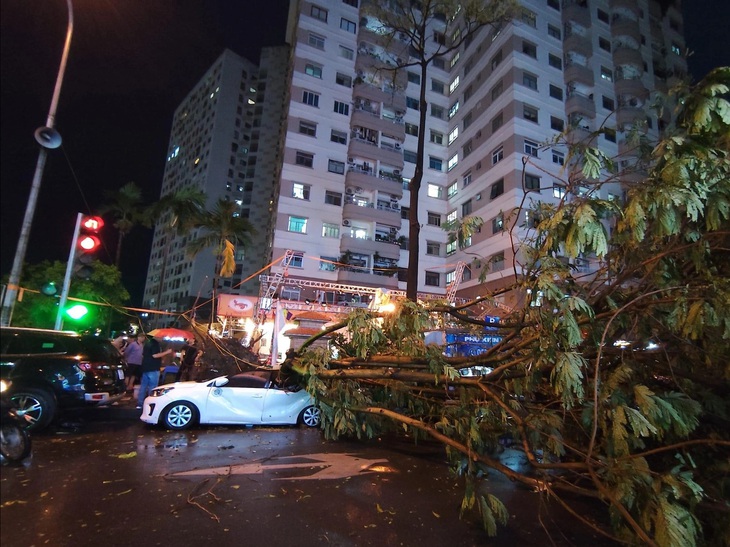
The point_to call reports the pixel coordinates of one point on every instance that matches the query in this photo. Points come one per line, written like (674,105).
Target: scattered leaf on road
(126,456)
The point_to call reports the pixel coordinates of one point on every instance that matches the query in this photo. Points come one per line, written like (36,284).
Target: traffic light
(77,311)
(87,244)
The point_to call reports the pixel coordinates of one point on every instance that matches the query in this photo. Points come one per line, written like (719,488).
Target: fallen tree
(614,385)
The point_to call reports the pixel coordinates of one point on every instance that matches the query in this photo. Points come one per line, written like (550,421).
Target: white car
(250,398)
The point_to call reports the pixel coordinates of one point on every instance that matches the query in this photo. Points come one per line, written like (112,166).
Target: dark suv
(51,370)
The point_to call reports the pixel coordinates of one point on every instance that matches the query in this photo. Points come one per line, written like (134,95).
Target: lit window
(454,85)
(497,155)
(298,224)
(454,109)
(453,162)
(313,70)
(434,190)
(452,189)
(452,216)
(558,190)
(606,74)
(466,181)
(454,134)
(330,230)
(300,191)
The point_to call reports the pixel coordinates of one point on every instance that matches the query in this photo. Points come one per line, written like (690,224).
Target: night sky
(131,63)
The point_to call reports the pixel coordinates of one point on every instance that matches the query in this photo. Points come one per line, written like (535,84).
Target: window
(453,162)
(454,134)
(298,224)
(437,86)
(343,79)
(305,159)
(454,60)
(529,113)
(454,109)
(336,167)
(529,18)
(609,134)
(433,248)
(602,16)
(497,262)
(453,85)
(497,154)
(532,182)
(349,26)
(555,61)
(497,189)
(497,90)
(409,156)
(554,32)
(340,137)
(466,208)
(347,53)
(327,263)
(468,147)
(411,129)
(496,59)
(604,44)
(333,198)
(412,103)
(439,37)
(436,137)
(434,219)
(558,157)
(466,180)
(315,40)
(310,98)
(556,92)
(414,78)
(451,248)
(529,80)
(558,190)
(467,119)
(352,3)
(452,217)
(318,13)
(435,163)
(529,49)
(555,4)
(432,279)
(531,148)
(556,123)
(342,108)
(434,190)
(496,122)
(308,128)
(498,223)
(437,112)
(300,191)
(405,213)
(606,74)
(313,70)
(452,189)
(330,230)
(608,103)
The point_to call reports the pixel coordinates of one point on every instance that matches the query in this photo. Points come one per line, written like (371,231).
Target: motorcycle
(15,443)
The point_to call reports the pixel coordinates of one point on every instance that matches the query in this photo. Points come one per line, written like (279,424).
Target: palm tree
(179,213)
(222,229)
(127,211)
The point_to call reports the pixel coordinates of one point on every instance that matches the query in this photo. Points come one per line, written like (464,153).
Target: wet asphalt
(102,477)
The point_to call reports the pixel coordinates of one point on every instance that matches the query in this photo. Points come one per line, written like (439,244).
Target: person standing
(189,356)
(149,370)
(133,357)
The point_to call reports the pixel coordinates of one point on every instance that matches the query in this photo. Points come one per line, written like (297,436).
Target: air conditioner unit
(396,172)
(350,160)
(394,231)
(346,222)
(397,146)
(350,191)
(358,189)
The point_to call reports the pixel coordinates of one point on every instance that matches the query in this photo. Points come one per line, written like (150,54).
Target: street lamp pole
(47,137)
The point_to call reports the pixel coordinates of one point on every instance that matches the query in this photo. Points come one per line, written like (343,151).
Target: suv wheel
(38,404)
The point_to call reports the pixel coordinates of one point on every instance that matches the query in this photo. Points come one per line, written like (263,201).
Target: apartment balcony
(391,126)
(627,115)
(579,44)
(633,87)
(579,73)
(631,5)
(366,277)
(575,10)
(628,56)
(368,179)
(370,246)
(626,27)
(354,210)
(581,104)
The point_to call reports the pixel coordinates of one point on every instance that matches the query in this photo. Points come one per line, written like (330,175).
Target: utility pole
(69,271)
(48,138)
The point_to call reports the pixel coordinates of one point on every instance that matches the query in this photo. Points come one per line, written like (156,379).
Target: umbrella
(171,334)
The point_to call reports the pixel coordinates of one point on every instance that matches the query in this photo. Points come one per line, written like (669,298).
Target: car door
(240,401)
(282,406)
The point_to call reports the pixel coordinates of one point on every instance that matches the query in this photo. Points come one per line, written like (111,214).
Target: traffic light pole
(69,270)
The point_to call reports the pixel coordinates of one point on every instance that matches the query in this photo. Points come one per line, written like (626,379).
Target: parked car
(249,398)
(55,370)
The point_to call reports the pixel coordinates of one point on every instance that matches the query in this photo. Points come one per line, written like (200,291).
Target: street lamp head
(48,137)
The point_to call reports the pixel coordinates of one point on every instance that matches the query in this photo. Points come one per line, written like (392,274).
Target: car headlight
(4,385)
(160,391)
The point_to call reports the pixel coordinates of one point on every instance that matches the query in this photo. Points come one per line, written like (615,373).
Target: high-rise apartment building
(332,206)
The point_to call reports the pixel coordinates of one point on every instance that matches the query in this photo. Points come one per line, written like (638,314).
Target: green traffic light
(77,311)
(49,289)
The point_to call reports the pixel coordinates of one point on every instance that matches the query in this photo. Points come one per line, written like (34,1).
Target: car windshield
(99,350)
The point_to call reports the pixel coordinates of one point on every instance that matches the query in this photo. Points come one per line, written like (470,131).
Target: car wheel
(310,416)
(37,405)
(180,415)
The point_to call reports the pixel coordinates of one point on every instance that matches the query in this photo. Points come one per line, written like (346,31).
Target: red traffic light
(92,224)
(89,243)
